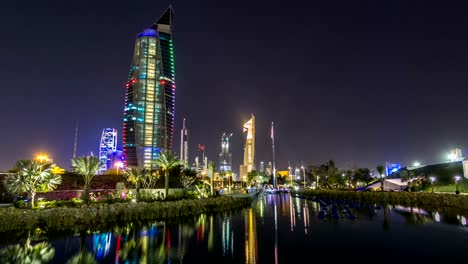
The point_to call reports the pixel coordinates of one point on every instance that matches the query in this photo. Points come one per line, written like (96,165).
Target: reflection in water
(27,253)
(101,245)
(292,214)
(306,217)
(276,236)
(250,237)
(211,237)
(227,236)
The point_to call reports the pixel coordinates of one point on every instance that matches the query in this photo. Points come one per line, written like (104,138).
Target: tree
(87,167)
(380,170)
(362,175)
(136,176)
(32,176)
(166,161)
(211,170)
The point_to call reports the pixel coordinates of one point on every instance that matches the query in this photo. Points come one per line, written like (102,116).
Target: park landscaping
(96,214)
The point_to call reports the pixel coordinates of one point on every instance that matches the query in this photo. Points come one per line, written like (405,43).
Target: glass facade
(108,143)
(150,95)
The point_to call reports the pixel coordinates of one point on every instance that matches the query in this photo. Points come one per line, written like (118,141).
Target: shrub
(21,204)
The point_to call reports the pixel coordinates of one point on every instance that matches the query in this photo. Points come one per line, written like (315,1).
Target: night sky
(360,82)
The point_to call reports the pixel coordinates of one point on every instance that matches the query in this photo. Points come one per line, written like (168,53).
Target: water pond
(277,229)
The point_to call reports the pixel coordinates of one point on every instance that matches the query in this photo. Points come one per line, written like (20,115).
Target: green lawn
(462,187)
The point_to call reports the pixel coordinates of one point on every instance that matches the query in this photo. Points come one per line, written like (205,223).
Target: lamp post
(343,175)
(457,178)
(303,175)
(432,183)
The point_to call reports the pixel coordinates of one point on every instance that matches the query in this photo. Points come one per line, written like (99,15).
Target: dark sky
(355,81)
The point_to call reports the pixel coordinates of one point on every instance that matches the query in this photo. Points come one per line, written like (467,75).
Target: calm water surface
(277,229)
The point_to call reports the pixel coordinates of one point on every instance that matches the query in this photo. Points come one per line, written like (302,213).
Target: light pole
(303,175)
(343,175)
(457,178)
(290,175)
(432,183)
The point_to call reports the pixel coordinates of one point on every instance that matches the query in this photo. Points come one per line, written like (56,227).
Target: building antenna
(76,139)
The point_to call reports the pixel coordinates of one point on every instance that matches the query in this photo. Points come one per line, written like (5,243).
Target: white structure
(184,144)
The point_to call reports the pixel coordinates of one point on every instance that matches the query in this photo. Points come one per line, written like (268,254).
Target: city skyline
(363,85)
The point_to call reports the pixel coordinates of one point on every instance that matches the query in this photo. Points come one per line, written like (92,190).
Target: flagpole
(273,148)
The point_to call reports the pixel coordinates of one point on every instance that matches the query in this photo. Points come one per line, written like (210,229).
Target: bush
(100,214)
(21,204)
(417,199)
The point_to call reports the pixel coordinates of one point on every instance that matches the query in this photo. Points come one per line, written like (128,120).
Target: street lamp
(457,178)
(303,175)
(432,182)
(416,164)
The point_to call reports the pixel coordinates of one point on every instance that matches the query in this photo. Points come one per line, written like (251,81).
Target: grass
(450,188)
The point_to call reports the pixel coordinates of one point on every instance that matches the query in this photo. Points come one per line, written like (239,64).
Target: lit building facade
(249,149)
(184,144)
(150,95)
(108,143)
(115,159)
(225,157)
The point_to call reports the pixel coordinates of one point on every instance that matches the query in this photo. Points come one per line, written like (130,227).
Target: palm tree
(32,176)
(136,175)
(87,167)
(166,161)
(380,170)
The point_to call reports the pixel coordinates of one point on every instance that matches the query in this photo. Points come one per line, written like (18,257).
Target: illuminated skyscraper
(108,143)
(184,144)
(150,95)
(225,157)
(249,149)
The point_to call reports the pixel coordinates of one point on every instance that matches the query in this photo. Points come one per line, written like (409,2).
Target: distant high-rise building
(261,167)
(184,144)
(108,143)
(269,168)
(249,149)
(225,157)
(150,95)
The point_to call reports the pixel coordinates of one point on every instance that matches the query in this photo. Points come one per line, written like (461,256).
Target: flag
(272,131)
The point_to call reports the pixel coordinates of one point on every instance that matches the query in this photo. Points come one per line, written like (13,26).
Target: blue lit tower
(150,95)
(108,143)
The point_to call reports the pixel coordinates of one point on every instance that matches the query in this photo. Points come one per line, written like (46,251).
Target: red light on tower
(162,82)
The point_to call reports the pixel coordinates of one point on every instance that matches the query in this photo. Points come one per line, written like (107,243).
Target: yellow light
(42,157)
